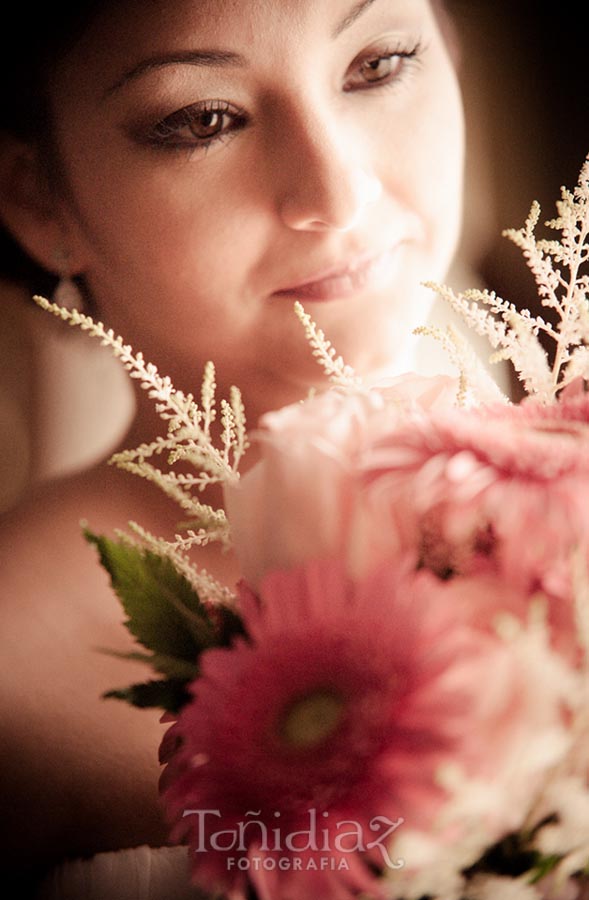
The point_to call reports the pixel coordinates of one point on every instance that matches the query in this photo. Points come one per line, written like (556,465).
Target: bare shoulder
(79,773)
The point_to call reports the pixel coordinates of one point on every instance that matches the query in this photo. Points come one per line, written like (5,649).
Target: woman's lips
(368,273)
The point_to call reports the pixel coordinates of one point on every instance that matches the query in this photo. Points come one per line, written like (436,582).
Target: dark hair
(30,47)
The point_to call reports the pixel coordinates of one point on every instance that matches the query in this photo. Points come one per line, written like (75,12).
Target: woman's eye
(198,125)
(380,68)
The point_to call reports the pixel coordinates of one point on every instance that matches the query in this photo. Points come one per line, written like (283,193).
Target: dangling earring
(67,293)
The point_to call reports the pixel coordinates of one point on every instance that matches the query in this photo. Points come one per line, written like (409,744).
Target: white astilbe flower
(475,385)
(189,424)
(560,268)
(189,439)
(334,367)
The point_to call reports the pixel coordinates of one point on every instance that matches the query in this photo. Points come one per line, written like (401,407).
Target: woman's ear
(28,208)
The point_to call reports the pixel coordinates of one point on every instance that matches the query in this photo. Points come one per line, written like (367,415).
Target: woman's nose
(326,188)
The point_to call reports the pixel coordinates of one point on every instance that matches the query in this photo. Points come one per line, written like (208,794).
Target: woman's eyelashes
(200,125)
(381,67)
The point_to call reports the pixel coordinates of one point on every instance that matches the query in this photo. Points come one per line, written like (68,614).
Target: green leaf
(543,866)
(170,694)
(164,612)
(167,665)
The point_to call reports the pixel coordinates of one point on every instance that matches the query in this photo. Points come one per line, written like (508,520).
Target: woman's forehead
(129,34)
(157,18)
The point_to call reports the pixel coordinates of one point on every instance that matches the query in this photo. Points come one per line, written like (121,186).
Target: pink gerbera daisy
(338,707)
(493,489)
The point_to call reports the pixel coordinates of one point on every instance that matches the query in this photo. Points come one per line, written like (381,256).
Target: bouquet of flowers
(393,701)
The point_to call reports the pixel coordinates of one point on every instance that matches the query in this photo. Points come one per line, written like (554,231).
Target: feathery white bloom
(560,270)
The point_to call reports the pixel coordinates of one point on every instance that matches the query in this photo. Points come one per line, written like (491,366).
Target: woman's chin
(388,358)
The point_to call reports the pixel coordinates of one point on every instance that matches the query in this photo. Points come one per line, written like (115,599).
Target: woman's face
(222,160)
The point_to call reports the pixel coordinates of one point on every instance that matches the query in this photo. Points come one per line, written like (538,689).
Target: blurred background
(525,80)
(64,402)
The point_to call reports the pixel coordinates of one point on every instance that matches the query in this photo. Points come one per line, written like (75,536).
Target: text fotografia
(316,847)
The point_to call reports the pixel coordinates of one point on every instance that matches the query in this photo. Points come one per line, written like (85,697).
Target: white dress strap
(139,873)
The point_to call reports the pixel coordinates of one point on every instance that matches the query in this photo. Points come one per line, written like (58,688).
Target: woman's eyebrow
(351,17)
(215,58)
(218,58)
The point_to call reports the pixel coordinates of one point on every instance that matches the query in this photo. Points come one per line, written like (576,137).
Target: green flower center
(311,719)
